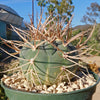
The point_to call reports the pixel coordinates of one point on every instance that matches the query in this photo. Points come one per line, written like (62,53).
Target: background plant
(94,40)
(61,7)
(92,14)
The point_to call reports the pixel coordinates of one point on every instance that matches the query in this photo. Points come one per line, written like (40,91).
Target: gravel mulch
(18,81)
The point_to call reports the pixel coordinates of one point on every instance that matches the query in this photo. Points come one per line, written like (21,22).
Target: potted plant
(49,66)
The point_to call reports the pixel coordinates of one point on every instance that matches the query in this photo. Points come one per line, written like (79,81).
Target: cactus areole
(45,63)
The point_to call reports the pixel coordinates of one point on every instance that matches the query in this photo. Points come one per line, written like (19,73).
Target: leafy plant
(54,7)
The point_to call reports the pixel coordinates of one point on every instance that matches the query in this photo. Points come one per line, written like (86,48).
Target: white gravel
(17,81)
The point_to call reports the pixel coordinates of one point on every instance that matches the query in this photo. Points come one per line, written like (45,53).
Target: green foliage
(41,3)
(54,7)
(75,33)
(2,94)
(95,38)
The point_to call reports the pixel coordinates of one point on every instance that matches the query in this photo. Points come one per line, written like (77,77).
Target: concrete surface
(96,95)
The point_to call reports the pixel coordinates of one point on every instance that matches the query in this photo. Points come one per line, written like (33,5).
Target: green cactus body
(47,64)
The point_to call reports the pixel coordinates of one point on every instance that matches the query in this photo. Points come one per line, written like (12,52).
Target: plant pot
(83,94)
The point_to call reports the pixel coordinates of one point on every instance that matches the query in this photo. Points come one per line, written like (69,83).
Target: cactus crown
(47,55)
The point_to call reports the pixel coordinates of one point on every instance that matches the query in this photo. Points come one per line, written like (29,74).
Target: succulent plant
(47,55)
(45,61)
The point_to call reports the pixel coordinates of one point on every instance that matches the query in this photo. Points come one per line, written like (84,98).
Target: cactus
(47,56)
(47,63)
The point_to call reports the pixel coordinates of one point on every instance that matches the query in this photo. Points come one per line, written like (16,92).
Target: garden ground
(96,96)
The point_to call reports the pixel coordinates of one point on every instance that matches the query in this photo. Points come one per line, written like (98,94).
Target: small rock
(69,89)
(59,90)
(45,87)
